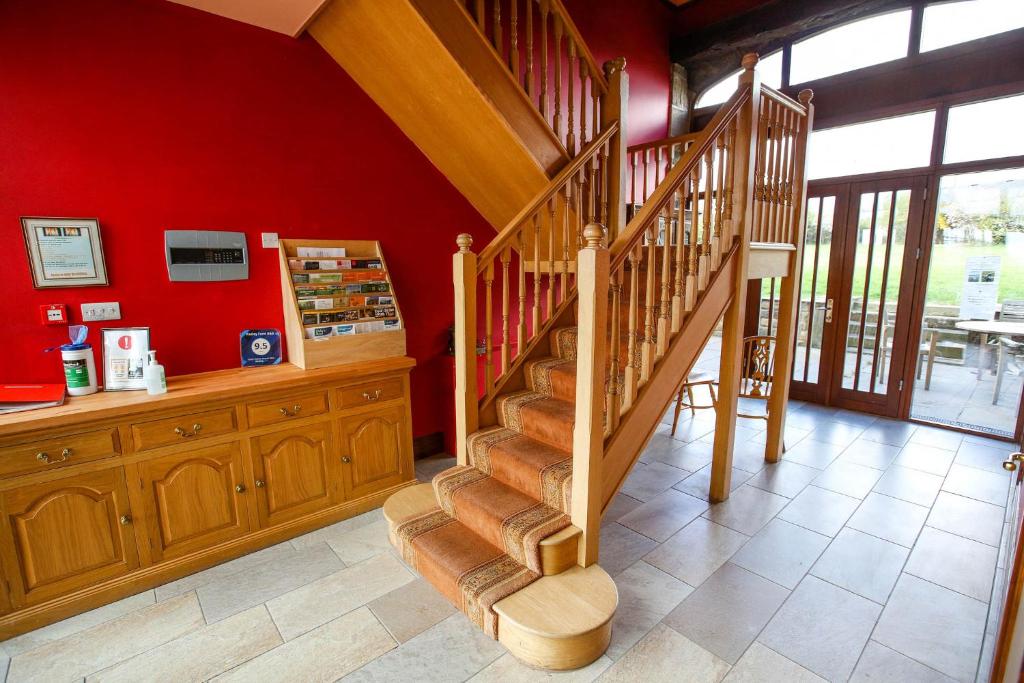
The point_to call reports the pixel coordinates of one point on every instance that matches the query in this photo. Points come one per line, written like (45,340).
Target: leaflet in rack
(343,296)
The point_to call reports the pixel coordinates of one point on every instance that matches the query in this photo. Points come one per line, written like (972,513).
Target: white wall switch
(110,310)
(269,240)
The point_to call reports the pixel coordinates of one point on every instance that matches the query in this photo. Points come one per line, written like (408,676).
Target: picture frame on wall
(64,252)
(125,353)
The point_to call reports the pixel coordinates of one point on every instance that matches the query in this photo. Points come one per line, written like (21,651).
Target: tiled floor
(867,554)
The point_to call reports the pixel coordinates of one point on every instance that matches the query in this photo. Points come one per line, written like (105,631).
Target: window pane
(769,67)
(855,45)
(985,130)
(949,23)
(884,145)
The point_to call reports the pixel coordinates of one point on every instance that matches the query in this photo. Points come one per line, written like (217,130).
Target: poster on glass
(64,252)
(125,350)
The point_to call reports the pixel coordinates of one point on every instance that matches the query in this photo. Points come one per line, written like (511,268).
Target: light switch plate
(110,310)
(269,240)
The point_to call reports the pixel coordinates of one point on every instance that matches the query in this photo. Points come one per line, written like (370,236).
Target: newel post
(789,299)
(466,406)
(592,268)
(613,108)
(732,326)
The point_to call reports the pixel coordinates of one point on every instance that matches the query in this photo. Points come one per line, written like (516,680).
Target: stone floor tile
(697,551)
(793,435)
(411,609)
(326,653)
(819,510)
(201,654)
(620,505)
(238,592)
(699,483)
(327,598)
(784,478)
(691,456)
(426,468)
(862,564)
(620,547)
(664,515)
(813,453)
(646,595)
(453,650)
(748,455)
(892,432)
(982,457)
(810,416)
(743,434)
(361,543)
(781,552)
(910,485)
(104,645)
(760,664)
(693,429)
(663,655)
(938,437)
(274,553)
(726,612)
(822,628)
(854,418)
(647,481)
(338,529)
(925,458)
(836,433)
(932,624)
(747,509)
(957,563)
(879,664)
(508,669)
(967,517)
(848,478)
(889,518)
(80,622)
(974,483)
(870,454)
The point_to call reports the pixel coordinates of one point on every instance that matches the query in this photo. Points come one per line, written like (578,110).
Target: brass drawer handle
(260,483)
(345,459)
(291,413)
(185,435)
(372,397)
(126,520)
(240,488)
(43,456)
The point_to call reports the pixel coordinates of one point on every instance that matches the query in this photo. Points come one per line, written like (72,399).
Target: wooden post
(732,330)
(789,301)
(613,108)
(588,434)
(466,405)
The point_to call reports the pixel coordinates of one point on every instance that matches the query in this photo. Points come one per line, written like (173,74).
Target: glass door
(881,240)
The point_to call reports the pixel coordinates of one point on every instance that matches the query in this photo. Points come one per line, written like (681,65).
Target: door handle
(828,310)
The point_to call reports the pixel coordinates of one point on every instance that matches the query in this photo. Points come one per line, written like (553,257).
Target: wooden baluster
(709,182)
(604,183)
(466,399)
(536,274)
(728,227)
(544,108)
(760,175)
(566,208)
(792,121)
(646,164)
(716,238)
(631,379)
(595,96)
(557,123)
(657,166)
(647,351)
(613,405)
(481,16)
(665,309)
(596,189)
(521,323)
(584,72)
(513,38)
(693,247)
(497,26)
(506,339)
(531,79)
(678,298)
(632,179)
(489,328)
(552,206)
(570,76)
(773,187)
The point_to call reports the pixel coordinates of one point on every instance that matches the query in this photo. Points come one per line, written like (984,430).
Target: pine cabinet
(296,472)
(372,448)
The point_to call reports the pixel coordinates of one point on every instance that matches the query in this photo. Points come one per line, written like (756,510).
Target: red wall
(148,116)
(639,31)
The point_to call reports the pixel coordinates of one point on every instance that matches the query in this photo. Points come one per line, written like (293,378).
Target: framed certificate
(125,352)
(64,252)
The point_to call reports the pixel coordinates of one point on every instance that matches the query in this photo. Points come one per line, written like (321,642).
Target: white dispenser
(154,376)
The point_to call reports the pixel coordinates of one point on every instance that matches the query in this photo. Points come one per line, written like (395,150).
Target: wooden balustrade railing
(780,126)
(546,55)
(648,163)
(512,291)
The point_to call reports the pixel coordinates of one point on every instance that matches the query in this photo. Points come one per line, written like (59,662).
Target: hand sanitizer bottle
(153,375)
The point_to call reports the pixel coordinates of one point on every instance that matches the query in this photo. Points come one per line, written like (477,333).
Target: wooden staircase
(573,329)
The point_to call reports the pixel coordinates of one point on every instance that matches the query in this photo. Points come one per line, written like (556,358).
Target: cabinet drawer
(371,392)
(183,428)
(60,452)
(285,409)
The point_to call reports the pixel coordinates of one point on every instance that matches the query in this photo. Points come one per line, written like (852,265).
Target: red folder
(16,397)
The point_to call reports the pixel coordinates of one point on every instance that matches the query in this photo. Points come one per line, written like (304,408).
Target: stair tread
(526,464)
(544,418)
(569,604)
(553,376)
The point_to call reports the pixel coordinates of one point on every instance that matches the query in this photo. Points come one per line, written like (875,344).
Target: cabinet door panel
(376,447)
(191,500)
(68,534)
(297,472)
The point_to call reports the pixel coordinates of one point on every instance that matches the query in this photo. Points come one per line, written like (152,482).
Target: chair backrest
(758,365)
(1012,311)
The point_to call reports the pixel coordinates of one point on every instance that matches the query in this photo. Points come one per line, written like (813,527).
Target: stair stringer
(637,426)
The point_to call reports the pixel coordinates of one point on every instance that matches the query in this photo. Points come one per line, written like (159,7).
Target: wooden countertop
(185,389)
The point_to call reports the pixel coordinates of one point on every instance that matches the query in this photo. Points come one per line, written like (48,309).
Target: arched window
(769,67)
(949,23)
(861,43)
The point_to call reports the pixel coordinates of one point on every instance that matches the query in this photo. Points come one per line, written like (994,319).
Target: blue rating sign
(260,347)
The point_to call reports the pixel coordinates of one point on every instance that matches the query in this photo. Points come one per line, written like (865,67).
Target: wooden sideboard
(118,492)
